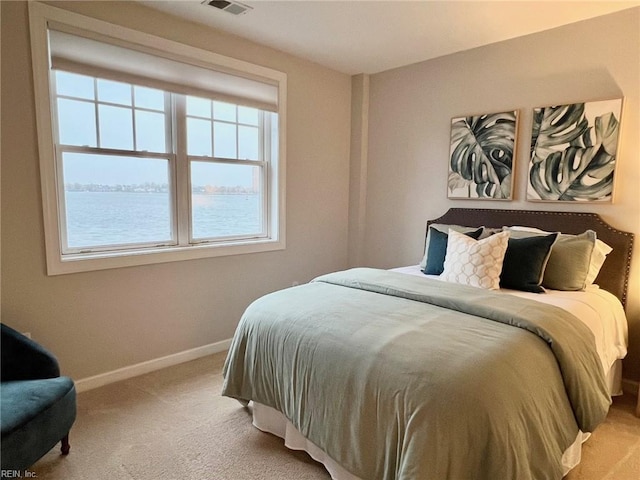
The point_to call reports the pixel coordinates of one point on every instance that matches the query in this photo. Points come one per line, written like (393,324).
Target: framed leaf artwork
(481,156)
(573,152)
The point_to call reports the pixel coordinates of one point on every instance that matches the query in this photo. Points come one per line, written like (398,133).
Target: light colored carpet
(173,424)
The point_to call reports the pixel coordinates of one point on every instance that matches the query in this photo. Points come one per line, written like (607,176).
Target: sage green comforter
(401,377)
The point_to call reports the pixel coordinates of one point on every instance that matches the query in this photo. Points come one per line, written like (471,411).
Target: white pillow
(598,256)
(526,229)
(477,263)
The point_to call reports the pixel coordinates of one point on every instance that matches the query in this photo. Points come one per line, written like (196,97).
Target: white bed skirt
(272,421)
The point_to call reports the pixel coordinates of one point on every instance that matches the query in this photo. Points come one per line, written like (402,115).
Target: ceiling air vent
(235,8)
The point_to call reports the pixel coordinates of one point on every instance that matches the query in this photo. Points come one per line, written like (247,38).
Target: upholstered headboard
(614,275)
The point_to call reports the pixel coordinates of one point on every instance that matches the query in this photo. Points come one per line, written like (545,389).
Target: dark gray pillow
(437,249)
(525,262)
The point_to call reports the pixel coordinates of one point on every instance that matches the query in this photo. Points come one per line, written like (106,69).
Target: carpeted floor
(173,424)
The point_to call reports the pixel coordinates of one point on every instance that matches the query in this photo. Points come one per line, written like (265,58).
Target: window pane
(224,135)
(116,200)
(73,85)
(199,107)
(248,115)
(116,127)
(76,122)
(198,137)
(150,131)
(224,111)
(149,98)
(226,200)
(248,143)
(114,92)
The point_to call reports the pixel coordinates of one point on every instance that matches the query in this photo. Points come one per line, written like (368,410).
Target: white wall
(409,125)
(358,167)
(100,321)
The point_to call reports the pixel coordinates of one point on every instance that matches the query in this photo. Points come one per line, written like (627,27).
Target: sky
(133,118)
(106,170)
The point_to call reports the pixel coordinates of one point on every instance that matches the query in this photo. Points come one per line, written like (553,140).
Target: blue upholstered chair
(37,405)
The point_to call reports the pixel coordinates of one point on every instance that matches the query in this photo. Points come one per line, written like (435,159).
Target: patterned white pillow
(475,262)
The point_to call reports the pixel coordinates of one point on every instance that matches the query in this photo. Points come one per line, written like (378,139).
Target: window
(152,151)
(115,160)
(115,152)
(226,148)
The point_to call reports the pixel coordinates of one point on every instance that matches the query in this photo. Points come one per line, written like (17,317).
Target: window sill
(57,265)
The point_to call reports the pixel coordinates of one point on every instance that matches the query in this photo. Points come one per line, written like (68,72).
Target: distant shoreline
(139,189)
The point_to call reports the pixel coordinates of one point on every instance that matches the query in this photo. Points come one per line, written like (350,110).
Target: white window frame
(58,263)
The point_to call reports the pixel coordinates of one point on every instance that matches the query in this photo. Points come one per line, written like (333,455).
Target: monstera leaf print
(482,155)
(553,126)
(567,162)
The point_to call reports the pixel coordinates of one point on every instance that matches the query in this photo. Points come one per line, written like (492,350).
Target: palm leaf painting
(573,151)
(481,156)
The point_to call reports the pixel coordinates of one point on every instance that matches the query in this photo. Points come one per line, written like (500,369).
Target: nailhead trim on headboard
(618,261)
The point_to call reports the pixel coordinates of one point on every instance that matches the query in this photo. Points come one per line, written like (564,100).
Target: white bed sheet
(601,311)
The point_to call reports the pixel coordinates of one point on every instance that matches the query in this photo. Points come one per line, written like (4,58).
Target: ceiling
(360,36)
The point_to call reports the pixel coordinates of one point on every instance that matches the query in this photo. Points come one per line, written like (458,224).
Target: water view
(97,218)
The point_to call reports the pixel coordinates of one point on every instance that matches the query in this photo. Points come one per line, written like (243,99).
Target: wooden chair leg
(65,445)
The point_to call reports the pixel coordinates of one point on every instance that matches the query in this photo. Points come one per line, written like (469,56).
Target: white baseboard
(131,371)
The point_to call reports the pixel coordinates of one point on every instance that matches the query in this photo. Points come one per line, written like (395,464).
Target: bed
(400,375)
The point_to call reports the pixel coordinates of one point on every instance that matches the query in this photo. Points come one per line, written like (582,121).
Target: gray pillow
(568,264)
